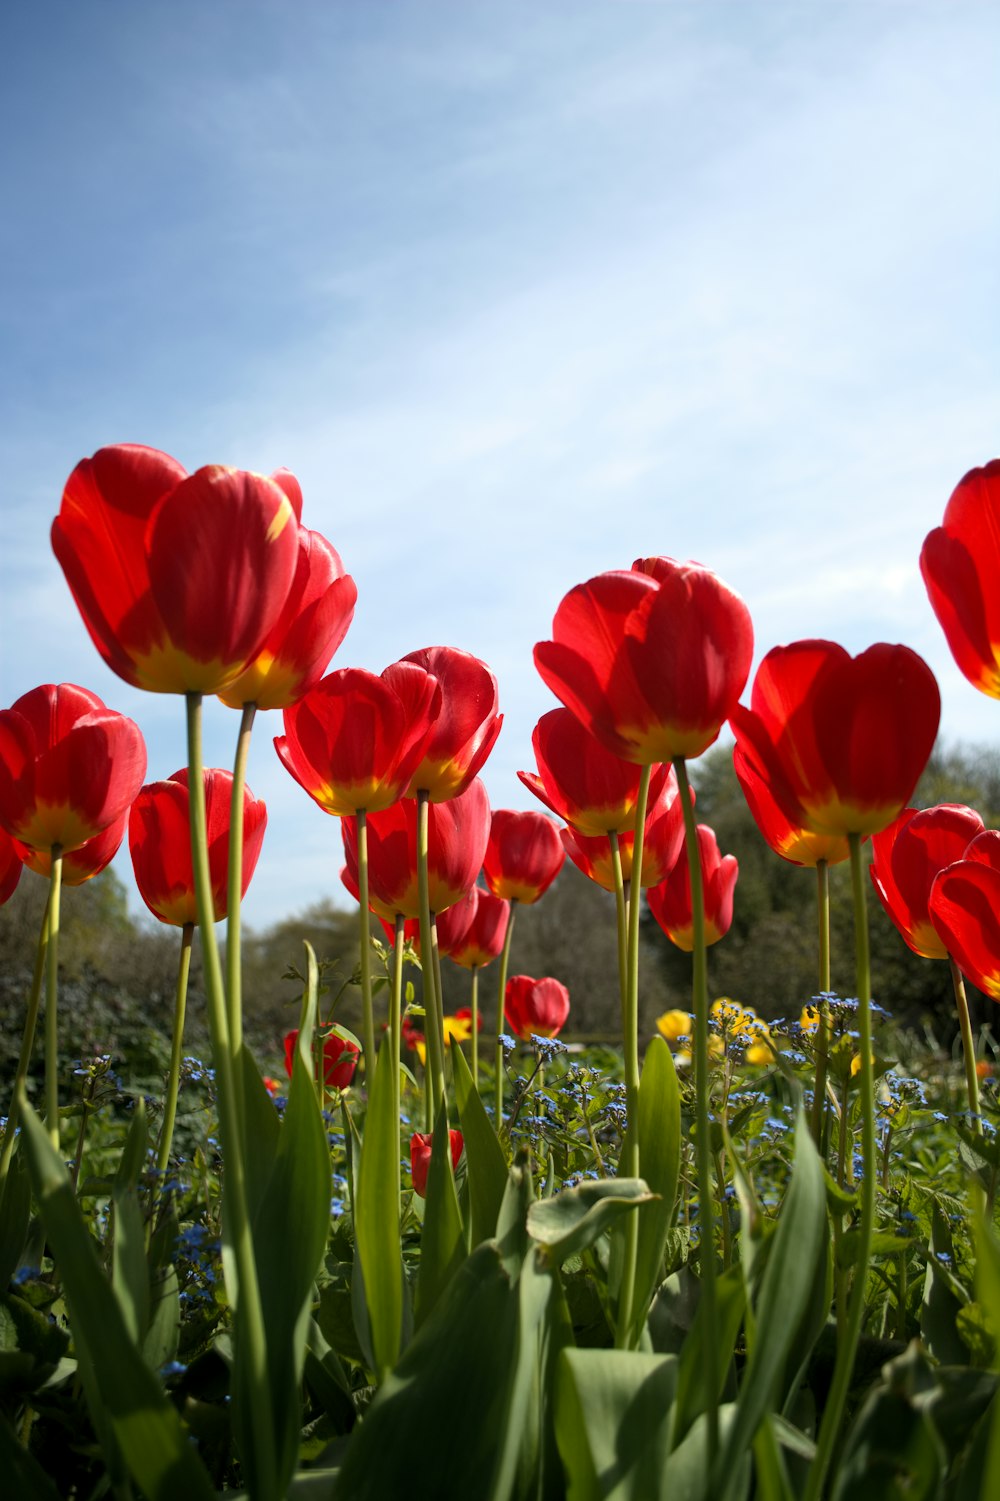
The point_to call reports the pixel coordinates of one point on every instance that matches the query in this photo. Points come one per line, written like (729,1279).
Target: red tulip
(160,844)
(535,1008)
(792,843)
(670,902)
(964,907)
(69,767)
(340,1058)
(80,864)
(472,932)
(466,729)
(11,866)
(457,835)
(661,844)
(594,791)
(652,661)
(906,859)
(523,857)
(180,578)
(464,1014)
(839,741)
(420,1157)
(317,613)
(960,562)
(354,740)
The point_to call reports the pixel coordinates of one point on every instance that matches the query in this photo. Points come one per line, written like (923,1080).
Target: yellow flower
(716,1051)
(856,1064)
(457,1027)
(761,1050)
(726,1012)
(809,1020)
(674,1024)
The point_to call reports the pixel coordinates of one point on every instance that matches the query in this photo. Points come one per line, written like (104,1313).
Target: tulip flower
(421,1145)
(354,741)
(180,579)
(160,844)
(675,1024)
(313,623)
(466,728)
(81,864)
(797,845)
(960,563)
(523,856)
(471,933)
(652,661)
(458,831)
(906,859)
(662,842)
(839,741)
(535,1008)
(670,902)
(582,782)
(11,866)
(964,906)
(340,1058)
(69,767)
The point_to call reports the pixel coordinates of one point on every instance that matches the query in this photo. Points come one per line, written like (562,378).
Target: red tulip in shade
(796,845)
(421,1145)
(11,866)
(69,767)
(466,729)
(906,859)
(340,1059)
(839,741)
(593,790)
(670,902)
(535,1008)
(960,562)
(651,661)
(354,740)
(317,613)
(180,578)
(472,932)
(964,907)
(160,844)
(81,864)
(524,855)
(457,835)
(661,845)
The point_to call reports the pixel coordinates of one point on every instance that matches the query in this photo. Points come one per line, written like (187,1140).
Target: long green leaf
(442,1245)
(659,1129)
(484,1156)
(152,1438)
(612,1420)
(129,1270)
(376,1216)
(692,1378)
(523,1423)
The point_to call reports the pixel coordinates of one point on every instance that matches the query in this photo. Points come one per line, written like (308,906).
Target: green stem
(395,1022)
(367,1009)
(702,1087)
(474,1018)
(433,1023)
(247,1302)
(176,1050)
(501,995)
(823,1030)
(234,976)
(621,910)
(629,1164)
(847,1346)
(51,1000)
(86,1105)
(27,1046)
(968,1045)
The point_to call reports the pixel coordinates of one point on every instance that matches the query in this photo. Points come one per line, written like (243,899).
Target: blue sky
(520,292)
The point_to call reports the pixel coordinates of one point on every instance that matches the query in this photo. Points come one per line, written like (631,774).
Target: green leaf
(523,1423)
(693,1375)
(31,1347)
(988,1293)
(575,1218)
(941,1305)
(893,1448)
(129,1271)
(659,1129)
(23,1475)
(612,1420)
(376,1216)
(787,1288)
(147,1426)
(484,1156)
(686,1474)
(163,1332)
(442,1245)
(15,1215)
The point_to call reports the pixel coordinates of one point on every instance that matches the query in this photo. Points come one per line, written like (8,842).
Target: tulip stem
(433,1023)
(234,897)
(27,1046)
(501,1024)
(621,908)
(823,1030)
(847,1345)
(702,1086)
(245,1294)
(629,1165)
(396,1003)
(367,1009)
(968,1045)
(176,1051)
(474,1019)
(51,1000)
